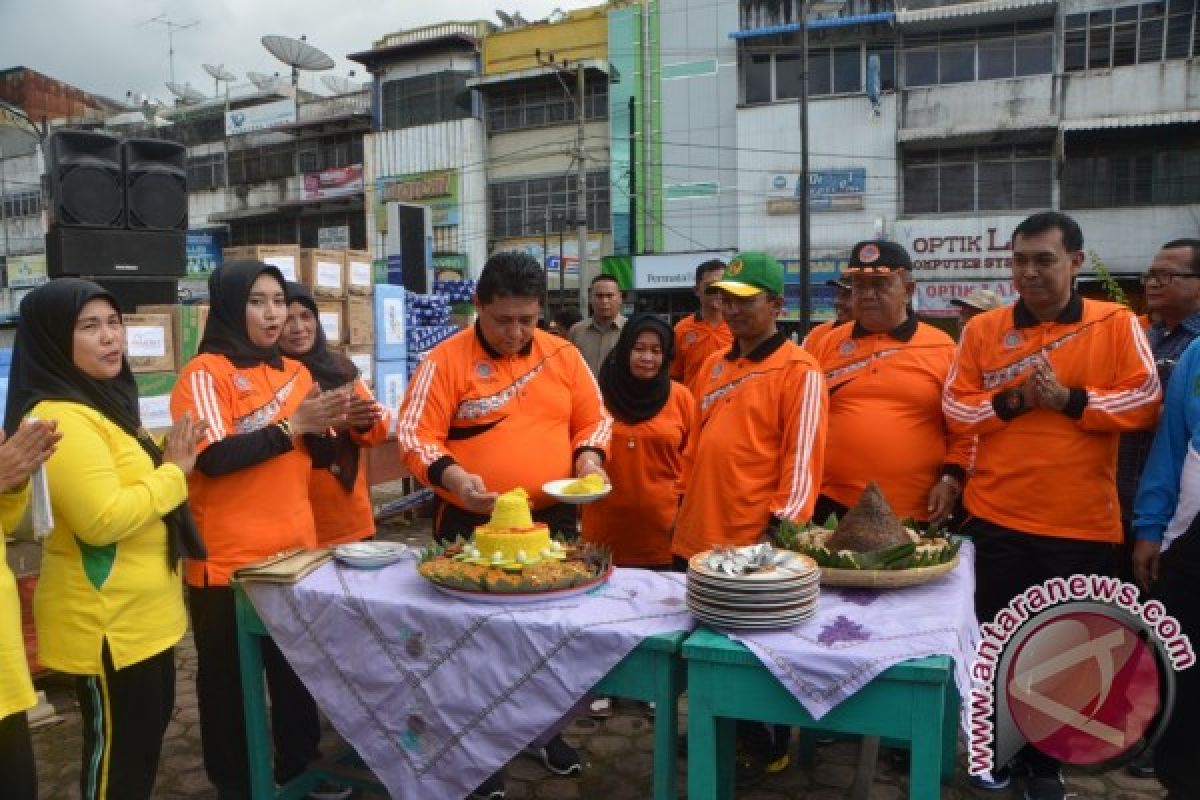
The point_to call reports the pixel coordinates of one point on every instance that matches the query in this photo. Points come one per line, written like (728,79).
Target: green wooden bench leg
(710,741)
(950,732)
(666,728)
(925,768)
(254,703)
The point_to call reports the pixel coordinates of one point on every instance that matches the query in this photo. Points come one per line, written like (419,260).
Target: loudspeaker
(133,292)
(110,251)
(412,247)
(84,170)
(155,184)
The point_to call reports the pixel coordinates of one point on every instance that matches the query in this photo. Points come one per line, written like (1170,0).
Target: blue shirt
(1168,347)
(1178,429)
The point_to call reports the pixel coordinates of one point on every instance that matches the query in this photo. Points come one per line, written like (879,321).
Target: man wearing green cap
(757,459)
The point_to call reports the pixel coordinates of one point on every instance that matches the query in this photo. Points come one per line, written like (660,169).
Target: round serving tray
(507,598)
(885,578)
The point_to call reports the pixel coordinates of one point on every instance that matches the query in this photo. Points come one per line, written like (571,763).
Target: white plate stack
(752,587)
(369,555)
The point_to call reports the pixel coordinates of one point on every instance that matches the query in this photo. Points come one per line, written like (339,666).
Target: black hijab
(225,332)
(633,400)
(43,369)
(330,370)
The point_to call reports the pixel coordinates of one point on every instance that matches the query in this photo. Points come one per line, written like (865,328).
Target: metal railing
(338,106)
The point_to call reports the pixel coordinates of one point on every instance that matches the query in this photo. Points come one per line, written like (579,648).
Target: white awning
(1006,9)
(1131,121)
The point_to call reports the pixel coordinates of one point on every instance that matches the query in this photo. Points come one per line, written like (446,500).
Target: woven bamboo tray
(885,578)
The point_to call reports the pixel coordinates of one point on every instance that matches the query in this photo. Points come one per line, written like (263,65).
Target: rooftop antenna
(297,54)
(163,19)
(505,19)
(186,93)
(219,75)
(264,82)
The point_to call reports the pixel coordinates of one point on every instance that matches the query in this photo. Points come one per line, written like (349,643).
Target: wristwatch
(1014,400)
(285,425)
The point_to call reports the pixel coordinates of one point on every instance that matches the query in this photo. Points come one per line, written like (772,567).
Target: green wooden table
(914,703)
(652,672)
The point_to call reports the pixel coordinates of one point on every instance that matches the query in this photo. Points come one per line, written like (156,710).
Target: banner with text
(336,182)
(436,190)
(976,248)
(936,298)
(828,190)
(260,117)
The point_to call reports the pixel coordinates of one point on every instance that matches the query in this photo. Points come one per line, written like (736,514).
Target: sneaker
(995,781)
(491,789)
(600,708)
(329,791)
(779,764)
(1142,766)
(1045,787)
(559,757)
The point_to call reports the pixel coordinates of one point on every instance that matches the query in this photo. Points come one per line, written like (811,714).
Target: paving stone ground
(617,753)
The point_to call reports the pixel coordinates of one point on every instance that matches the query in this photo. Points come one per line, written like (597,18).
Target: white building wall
(458,145)
(843,133)
(23,234)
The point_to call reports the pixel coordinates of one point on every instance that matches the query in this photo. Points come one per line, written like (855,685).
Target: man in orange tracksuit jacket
(699,335)
(885,375)
(1047,385)
(757,459)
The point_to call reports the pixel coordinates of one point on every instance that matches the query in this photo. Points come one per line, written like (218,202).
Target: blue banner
(204,251)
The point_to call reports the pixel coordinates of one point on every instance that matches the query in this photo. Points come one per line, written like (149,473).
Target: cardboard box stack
(160,339)
(359,277)
(150,342)
(359,320)
(284,256)
(391,340)
(154,400)
(329,313)
(324,272)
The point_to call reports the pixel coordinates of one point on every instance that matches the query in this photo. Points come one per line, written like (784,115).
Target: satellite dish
(297,54)
(340,85)
(264,82)
(186,93)
(219,73)
(505,19)
(517,18)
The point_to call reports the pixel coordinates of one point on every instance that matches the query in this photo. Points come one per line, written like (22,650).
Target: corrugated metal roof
(815,25)
(1131,121)
(956,10)
(1023,124)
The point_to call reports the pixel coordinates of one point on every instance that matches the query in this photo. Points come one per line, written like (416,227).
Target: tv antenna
(164,20)
(186,93)
(264,82)
(297,54)
(341,85)
(219,75)
(505,20)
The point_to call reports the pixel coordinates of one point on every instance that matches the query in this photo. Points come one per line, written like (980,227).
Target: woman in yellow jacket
(109,603)
(20,455)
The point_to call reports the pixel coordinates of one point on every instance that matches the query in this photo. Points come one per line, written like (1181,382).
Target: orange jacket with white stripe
(695,341)
(347,516)
(255,511)
(885,414)
(516,420)
(1041,471)
(760,447)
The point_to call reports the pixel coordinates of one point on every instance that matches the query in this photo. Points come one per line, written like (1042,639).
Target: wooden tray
(885,578)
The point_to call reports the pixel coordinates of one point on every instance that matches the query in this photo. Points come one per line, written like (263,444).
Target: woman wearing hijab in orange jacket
(339,493)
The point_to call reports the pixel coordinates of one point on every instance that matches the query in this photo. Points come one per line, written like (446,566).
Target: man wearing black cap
(843,312)
(885,374)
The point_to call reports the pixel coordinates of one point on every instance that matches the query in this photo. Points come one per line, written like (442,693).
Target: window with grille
(535,104)
(1142,33)
(987,53)
(545,205)
(426,99)
(971,179)
(1117,171)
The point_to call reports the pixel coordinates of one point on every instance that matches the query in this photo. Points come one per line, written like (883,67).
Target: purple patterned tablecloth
(435,693)
(858,633)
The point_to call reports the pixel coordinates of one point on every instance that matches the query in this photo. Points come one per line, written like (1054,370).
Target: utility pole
(581,184)
(163,19)
(805,277)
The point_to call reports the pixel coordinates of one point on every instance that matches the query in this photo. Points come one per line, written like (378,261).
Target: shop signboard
(936,298)
(828,190)
(439,191)
(261,117)
(336,182)
(204,251)
(947,249)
